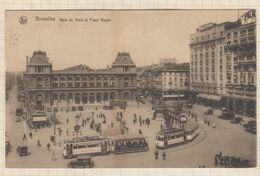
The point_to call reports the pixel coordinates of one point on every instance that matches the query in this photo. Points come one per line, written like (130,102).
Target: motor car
(226,115)
(8,147)
(73,108)
(82,161)
(22,151)
(236,120)
(251,129)
(250,123)
(80,108)
(108,107)
(209,112)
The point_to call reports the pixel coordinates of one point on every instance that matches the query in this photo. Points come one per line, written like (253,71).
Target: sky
(148,35)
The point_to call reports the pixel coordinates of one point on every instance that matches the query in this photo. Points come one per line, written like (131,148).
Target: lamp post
(77,127)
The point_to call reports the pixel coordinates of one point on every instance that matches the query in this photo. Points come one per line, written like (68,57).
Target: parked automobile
(82,161)
(80,108)
(108,107)
(251,129)
(236,120)
(22,151)
(209,112)
(250,123)
(189,106)
(226,115)
(73,108)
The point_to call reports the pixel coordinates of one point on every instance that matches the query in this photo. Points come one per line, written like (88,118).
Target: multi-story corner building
(207,64)
(174,83)
(223,64)
(78,84)
(241,64)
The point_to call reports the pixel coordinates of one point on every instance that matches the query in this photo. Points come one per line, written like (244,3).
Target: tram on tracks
(128,144)
(175,136)
(85,145)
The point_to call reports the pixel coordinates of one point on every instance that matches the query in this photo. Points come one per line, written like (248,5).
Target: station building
(78,84)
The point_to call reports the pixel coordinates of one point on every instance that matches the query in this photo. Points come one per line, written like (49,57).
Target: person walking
(30,134)
(24,137)
(164,155)
(48,146)
(67,121)
(156,154)
(38,143)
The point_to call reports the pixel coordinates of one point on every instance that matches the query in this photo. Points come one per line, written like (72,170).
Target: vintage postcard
(130,88)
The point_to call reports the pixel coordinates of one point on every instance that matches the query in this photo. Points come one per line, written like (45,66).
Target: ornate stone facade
(78,84)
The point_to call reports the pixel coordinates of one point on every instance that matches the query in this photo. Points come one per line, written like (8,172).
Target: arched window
(126,81)
(91,82)
(85,82)
(62,82)
(54,82)
(105,82)
(77,98)
(98,97)
(113,81)
(84,98)
(62,97)
(70,82)
(77,82)
(99,82)
(39,83)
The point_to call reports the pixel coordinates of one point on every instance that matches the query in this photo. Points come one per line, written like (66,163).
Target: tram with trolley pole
(85,145)
(128,144)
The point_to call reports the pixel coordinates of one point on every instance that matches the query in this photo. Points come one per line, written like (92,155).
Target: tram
(170,137)
(85,145)
(192,132)
(175,136)
(128,144)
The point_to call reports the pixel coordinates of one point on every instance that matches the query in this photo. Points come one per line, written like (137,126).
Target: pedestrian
(24,137)
(67,132)
(67,121)
(156,154)
(30,134)
(140,131)
(38,143)
(96,108)
(112,125)
(208,123)
(161,126)
(48,146)
(164,155)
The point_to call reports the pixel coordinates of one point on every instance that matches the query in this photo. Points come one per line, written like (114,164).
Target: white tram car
(85,145)
(170,137)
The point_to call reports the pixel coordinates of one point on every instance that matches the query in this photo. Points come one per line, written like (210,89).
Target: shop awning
(202,95)
(172,96)
(209,96)
(214,97)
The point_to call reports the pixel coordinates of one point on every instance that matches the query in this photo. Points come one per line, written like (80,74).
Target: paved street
(230,139)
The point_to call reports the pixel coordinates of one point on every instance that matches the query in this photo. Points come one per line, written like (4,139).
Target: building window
(228,36)
(251,31)
(243,33)
(55,82)
(99,82)
(235,34)
(77,82)
(105,82)
(38,69)
(126,81)
(70,82)
(46,82)
(85,82)
(62,82)
(113,81)
(39,83)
